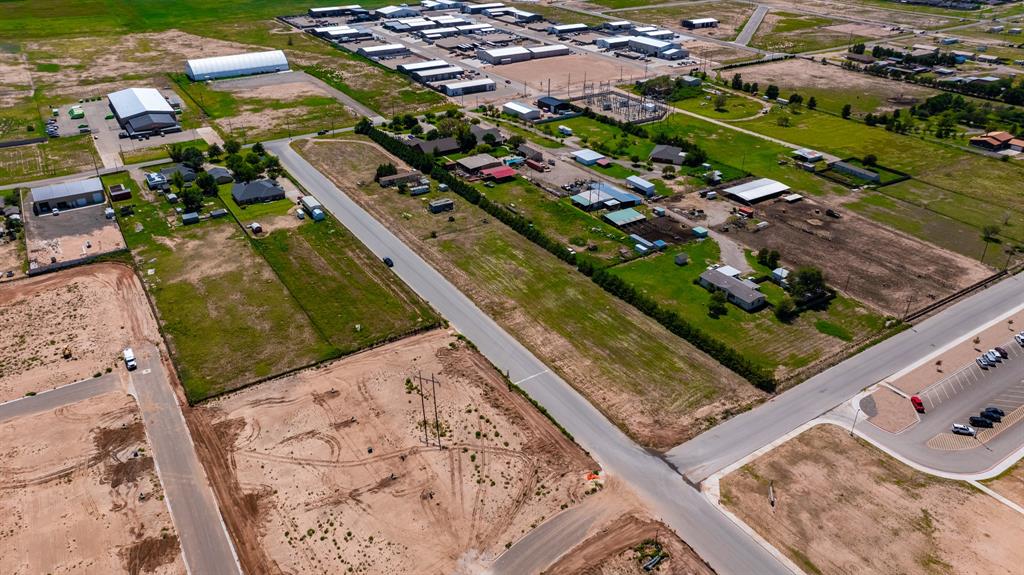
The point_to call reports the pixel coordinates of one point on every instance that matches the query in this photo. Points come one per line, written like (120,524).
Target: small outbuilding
(587,157)
(641,185)
(441,205)
(221,175)
(624,217)
(553,105)
(119,193)
(190,218)
(699,232)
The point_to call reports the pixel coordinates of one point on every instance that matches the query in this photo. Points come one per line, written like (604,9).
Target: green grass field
(606,139)
(736,107)
(158,152)
(795,33)
(252,212)
(236,309)
(55,157)
(760,336)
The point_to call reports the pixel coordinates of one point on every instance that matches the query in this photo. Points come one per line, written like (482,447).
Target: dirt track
(876,265)
(91,313)
(327,469)
(70,486)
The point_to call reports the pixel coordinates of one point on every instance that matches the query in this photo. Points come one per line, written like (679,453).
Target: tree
(812,103)
(233,147)
(857,48)
(466,139)
(193,158)
(515,141)
(989,232)
(214,151)
(783,121)
(384,170)
(772,260)
(807,282)
(785,310)
(796,99)
(669,171)
(870,160)
(772,92)
(257,149)
(716,307)
(272,165)
(206,184)
(192,198)
(416,128)
(175,152)
(178,181)
(753,88)
(846,111)
(245,172)
(489,139)
(720,101)
(737,82)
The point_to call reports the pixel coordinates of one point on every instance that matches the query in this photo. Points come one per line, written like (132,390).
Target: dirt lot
(74,234)
(536,73)
(1010,484)
(617,550)
(91,312)
(845,507)
(70,486)
(730,15)
(874,264)
(869,10)
(327,469)
(863,92)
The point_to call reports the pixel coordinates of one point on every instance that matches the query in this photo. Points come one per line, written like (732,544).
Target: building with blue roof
(641,185)
(587,157)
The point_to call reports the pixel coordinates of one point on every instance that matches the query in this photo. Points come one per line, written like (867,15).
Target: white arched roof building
(236,65)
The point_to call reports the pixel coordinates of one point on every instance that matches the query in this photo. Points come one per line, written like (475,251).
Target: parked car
(129,359)
(996,411)
(993,417)
(983,363)
(1019,338)
(55,212)
(961,429)
(917,403)
(389,262)
(992,356)
(1002,352)
(979,421)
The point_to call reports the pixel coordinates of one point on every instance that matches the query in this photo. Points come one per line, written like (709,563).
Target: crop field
(794,33)
(939,172)
(604,347)
(759,336)
(560,219)
(832,86)
(842,502)
(227,302)
(56,157)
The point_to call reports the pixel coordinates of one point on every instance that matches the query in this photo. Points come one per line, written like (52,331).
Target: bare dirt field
(1010,484)
(622,547)
(866,260)
(74,234)
(717,53)
(66,326)
(833,86)
(893,15)
(730,15)
(329,470)
(17,85)
(79,493)
(845,507)
(536,73)
(11,258)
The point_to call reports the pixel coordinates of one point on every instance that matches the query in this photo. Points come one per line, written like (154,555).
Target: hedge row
(671,320)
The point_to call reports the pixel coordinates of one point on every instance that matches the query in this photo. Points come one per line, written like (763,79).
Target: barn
(141,111)
(236,65)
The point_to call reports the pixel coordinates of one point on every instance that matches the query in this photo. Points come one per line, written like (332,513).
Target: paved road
(752,25)
(205,544)
(64,395)
(740,436)
(716,538)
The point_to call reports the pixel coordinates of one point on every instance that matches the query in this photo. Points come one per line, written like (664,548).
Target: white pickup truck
(129,359)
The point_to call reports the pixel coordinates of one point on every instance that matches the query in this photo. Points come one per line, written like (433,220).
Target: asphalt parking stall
(973,375)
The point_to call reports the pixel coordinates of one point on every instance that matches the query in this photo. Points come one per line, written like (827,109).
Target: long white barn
(236,65)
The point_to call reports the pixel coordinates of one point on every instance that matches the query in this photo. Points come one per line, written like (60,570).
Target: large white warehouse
(236,65)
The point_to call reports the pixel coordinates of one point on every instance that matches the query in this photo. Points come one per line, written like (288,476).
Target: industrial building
(641,185)
(695,23)
(438,74)
(503,55)
(236,65)
(397,12)
(256,192)
(420,66)
(661,34)
(559,29)
(658,48)
(613,42)
(67,195)
(468,87)
(808,155)
(333,11)
(342,33)
(553,105)
(521,111)
(601,195)
(617,25)
(479,8)
(756,190)
(587,157)
(624,217)
(549,51)
(143,111)
(474,164)
(383,50)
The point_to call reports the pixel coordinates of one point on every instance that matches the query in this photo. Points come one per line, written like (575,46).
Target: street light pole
(852,425)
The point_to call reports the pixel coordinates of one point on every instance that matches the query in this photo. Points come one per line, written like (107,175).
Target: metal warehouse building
(695,23)
(504,55)
(438,74)
(420,66)
(549,51)
(67,195)
(143,111)
(236,65)
(383,50)
(469,87)
(521,110)
(756,190)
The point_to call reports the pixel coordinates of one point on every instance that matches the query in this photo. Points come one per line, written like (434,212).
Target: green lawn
(736,107)
(120,178)
(613,170)
(252,212)
(759,336)
(530,136)
(352,298)
(159,152)
(606,139)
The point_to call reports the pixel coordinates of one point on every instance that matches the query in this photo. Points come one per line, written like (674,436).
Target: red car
(917,403)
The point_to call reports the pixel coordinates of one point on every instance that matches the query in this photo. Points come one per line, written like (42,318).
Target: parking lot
(74,234)
(973,375)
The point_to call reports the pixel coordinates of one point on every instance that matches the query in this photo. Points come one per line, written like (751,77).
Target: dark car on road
(979,421)
(993,417)
(389,262)
(996,411)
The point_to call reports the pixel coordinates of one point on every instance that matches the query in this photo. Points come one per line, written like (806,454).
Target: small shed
(587,157)
(780,276)
(218,213)
(221,175)
(441,205)
(641,185)
(172,198)
(682,259)
(700,232)
(119,193)
(190,218)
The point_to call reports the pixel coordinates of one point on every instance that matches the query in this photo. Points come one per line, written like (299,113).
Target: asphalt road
(64,395)
(740,436)
(751,26)
(714,536)
(205,544)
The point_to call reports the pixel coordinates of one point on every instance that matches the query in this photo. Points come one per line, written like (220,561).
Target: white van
(129,359)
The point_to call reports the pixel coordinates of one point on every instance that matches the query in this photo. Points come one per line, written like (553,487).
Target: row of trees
(612,284)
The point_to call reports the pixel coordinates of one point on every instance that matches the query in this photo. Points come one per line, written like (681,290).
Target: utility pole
(423,406)
(437,424)
(852,425)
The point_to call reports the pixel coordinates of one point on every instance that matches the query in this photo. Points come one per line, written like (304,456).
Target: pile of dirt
(146,555)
